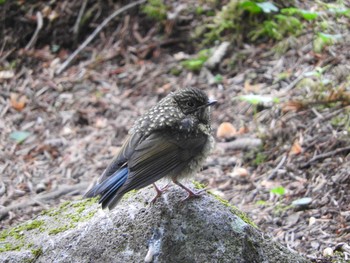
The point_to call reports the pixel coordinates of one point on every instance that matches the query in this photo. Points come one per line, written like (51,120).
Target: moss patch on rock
(52,222)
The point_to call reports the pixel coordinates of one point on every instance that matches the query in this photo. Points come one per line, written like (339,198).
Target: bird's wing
(159,155)
(122,157)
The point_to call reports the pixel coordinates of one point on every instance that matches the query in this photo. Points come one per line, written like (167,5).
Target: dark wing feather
(124,154)
(158,156)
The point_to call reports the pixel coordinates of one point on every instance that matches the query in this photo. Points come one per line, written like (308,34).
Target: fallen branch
(80,15)
(325,155)
(39,18)
(96,31)
(240,144)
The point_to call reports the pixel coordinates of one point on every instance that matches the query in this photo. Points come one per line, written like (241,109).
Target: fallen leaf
(101,122)
(19,136)
(164,89)
(243,130)
(312,220)
(293,106)
(239,172)
(226,130)
(253,87)
(18,102)
(296,148)
(6,74)
(305,201)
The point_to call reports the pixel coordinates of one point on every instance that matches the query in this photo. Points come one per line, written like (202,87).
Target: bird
(171,140)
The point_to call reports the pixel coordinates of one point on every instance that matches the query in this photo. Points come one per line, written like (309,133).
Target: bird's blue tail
(108,188)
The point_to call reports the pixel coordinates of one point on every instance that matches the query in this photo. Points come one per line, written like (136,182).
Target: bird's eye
(190,104)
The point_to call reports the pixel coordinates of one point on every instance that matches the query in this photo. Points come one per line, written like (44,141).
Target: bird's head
(193,101)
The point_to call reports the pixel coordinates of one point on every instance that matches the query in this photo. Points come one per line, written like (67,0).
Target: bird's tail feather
(108,188)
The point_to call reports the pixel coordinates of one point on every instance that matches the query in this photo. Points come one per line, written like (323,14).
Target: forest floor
(285,162)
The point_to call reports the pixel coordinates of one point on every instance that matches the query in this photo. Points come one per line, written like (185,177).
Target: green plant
(322,40)
(259,158)
(277,28)
(196,63)
(155,9)
(279,190)
(242,19)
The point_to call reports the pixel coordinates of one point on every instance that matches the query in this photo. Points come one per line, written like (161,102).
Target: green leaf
(308,15)
(258,99)
(218,78)
(261,202)
(267,7)
(19,136)
(340,11)
(328,38)
(193,64)
(279,190)
(290,11)
(250,7)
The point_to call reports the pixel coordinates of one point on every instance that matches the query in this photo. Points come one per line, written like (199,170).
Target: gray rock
(205,229)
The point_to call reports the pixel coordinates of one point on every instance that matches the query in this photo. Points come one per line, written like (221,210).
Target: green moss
(37,252)
(9,247)
(88,216)
(234,210)
(80,205)
(30,225)
(198,185)
(176,71)
(65,217)
(75,216)
(259,158)
(155,9)
(129,194)
(18,231)
(61,229)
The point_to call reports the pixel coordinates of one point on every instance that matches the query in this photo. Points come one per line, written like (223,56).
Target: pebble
(328,252)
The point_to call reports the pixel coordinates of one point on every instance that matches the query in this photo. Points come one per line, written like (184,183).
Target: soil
(295,149)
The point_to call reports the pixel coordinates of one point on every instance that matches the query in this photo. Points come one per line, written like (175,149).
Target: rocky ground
(293,146)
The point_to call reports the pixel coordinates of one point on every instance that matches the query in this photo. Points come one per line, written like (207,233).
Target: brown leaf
(226,130)
(18,102)
(296,148)
(243,130)
(292,106)
(253,87)
(239,172)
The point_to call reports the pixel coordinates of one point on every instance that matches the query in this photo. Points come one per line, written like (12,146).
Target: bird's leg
(159,192)
(190,192)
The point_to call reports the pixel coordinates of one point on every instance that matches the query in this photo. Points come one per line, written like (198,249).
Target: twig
(64,190)
(96,31)
(39,19)
(293,83)
(279,165)
(80,15)
(240,144)
(325,155)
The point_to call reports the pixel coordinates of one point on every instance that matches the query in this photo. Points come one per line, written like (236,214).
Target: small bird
(172,140)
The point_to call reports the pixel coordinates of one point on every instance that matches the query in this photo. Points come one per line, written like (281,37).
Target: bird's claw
(193,194)
(159,191)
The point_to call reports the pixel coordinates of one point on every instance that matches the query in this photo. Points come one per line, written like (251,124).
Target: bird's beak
(211,102)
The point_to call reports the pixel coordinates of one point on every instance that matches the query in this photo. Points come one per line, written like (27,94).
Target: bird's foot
(159,191)
(193,194)
(190,192)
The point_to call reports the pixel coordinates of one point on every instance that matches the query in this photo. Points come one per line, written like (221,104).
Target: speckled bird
(171,140)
